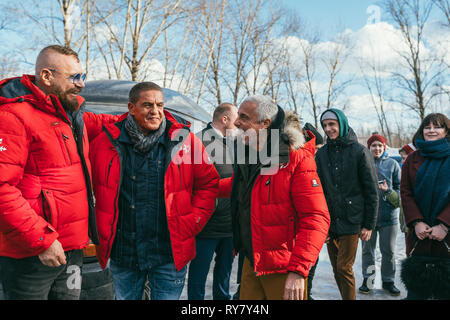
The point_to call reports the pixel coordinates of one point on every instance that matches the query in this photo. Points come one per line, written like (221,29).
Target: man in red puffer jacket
(46,199)
(280,216)
(156,189)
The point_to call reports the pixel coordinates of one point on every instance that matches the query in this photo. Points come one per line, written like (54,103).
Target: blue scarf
(432,184)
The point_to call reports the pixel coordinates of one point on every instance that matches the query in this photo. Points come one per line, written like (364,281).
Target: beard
(67,103)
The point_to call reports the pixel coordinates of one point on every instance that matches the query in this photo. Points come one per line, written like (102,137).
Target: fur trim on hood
(293,130)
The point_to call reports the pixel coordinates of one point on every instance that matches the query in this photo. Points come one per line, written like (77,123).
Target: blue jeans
(388,236)
(164,281)
(199,268)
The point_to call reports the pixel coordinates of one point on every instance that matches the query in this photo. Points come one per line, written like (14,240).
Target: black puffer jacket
(349,180)
(219,225)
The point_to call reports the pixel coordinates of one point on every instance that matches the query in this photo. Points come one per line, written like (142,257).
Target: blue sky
(328,14)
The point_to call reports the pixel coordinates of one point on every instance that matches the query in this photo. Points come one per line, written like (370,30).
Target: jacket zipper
(268,184)
(181,180)
(65,144)
(109,246)
(109,168)
(44,201)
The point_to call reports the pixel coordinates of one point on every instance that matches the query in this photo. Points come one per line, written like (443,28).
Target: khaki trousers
(267,287)
(342,253)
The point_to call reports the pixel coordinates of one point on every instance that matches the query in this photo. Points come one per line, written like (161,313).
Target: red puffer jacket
(190,187)
(44,182)
(289,214)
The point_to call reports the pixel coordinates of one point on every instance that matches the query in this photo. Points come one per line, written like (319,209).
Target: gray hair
(267,108)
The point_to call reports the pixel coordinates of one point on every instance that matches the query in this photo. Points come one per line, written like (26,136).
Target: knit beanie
(336,114)
(408,148)
(376,137)
(328,115)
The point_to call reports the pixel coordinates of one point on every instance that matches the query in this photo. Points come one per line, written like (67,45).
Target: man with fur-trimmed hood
(279,212)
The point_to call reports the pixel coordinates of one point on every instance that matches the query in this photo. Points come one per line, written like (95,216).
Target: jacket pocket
(49,208)
(65,139)
(354,210)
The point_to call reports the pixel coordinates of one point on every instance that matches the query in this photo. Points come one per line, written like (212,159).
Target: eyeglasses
(74,78)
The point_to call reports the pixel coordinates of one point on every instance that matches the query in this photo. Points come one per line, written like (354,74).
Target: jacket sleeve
(368,180)
(225,185)
(18,221)
(410,208)
(205,187)
(95,122)
(396,177)
(312,219)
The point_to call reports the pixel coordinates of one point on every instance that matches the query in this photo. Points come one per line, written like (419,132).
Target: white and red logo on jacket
(2,148)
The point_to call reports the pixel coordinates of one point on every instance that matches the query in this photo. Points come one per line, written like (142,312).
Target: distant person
(406,150)
(153,196)
(388,174)
(425,190)
(394,197)
(46,201)
(280,217)
(348,175)
(217,236)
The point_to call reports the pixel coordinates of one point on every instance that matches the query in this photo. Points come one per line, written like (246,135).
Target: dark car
(111,97)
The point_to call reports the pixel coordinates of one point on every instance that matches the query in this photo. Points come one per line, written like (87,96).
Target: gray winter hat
(329,115)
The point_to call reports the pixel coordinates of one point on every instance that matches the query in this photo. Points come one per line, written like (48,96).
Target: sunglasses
(74,78)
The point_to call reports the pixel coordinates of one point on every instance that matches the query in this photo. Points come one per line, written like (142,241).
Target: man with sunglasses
(46,200)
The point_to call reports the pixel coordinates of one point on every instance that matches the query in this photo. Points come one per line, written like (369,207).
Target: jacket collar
(24,89)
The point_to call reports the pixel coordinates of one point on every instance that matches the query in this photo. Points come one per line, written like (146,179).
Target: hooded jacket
(289,219)
(346,170)
(190,187)
(45,184)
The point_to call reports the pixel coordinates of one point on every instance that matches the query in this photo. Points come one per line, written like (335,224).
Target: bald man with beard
(46,201)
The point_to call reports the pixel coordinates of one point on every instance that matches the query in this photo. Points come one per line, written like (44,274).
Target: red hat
(376,137)
(408,148)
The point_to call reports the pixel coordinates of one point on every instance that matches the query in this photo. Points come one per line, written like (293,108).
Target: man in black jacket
(349,181)
(216,236)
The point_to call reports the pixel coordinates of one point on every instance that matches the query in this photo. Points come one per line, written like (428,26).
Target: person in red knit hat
(388,174)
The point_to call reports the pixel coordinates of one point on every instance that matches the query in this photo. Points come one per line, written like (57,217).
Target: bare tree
(374,77)
(144,22)
(214,36)
(242,22)
(444,6)
(421,73)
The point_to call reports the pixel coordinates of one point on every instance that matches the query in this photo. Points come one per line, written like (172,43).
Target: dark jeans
(29,279)
(199,268)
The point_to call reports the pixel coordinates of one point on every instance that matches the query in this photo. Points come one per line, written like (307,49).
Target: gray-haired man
(280,217)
